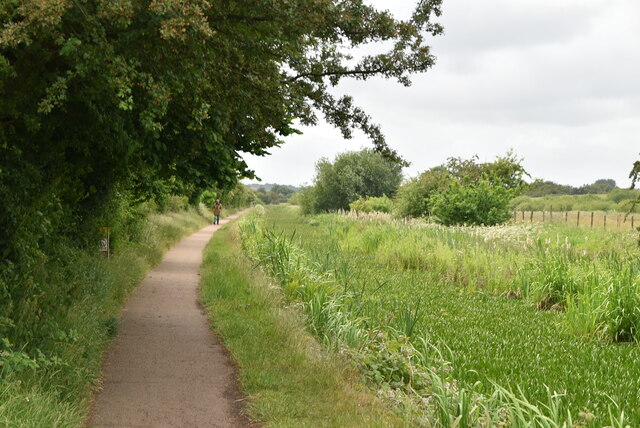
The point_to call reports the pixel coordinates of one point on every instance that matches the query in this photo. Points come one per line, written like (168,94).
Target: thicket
(351,176)
(481,203)
(464,191)
(382,204)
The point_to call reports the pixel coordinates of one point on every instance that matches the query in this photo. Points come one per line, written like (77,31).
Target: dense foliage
(382,204)
(100,93)
(474,203)
(464,191)
(413,196)
(351,176)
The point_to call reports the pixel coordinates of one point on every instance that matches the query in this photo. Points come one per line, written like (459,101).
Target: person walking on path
(217,210)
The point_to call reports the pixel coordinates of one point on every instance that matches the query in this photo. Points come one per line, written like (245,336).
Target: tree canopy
(96,94)
(353,175)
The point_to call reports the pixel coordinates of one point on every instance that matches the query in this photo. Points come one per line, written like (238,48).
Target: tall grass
(396,356)
(288,379)
(560,268)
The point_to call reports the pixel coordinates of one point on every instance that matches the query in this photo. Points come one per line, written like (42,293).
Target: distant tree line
(544,188)
(274,194)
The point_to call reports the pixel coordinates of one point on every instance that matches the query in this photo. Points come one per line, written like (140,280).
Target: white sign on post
(104,244)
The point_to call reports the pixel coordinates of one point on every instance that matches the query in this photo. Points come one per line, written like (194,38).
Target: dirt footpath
(166,368)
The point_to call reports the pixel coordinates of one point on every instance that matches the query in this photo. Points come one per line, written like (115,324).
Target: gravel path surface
(166,368)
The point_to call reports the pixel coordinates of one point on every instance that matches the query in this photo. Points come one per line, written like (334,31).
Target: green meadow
(473,326)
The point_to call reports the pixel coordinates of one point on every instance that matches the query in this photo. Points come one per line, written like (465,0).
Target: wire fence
(590,219)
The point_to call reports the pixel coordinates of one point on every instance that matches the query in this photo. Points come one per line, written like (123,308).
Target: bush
(479,203)
(413,196)
(307,200)
(368,205)
(296,198)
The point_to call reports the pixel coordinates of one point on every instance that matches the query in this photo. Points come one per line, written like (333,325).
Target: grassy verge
(51,350)
(290,380)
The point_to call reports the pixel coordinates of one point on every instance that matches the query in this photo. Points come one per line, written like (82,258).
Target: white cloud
(555,80)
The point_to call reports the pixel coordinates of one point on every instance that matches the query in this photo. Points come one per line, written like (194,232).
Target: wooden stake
(578,220)
(591,219)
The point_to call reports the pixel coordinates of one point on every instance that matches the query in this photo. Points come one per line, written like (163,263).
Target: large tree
(352,175)
(96,93)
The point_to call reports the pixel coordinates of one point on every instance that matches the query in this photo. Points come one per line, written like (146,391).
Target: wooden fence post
(591,219)
(531,217)
(522,215)
(515,216)
(578,220)
(550,213)
(605,222)
(566,217)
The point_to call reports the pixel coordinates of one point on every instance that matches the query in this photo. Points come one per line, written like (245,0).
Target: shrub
(413,196)
(369,205)
(479,203)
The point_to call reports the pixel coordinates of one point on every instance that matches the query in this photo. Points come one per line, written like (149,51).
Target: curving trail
(166,368)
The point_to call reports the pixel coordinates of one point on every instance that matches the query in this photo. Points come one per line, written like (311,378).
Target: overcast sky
(558,81)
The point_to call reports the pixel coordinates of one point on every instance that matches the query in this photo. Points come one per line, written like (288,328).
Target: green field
(569,328)
(616,201)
